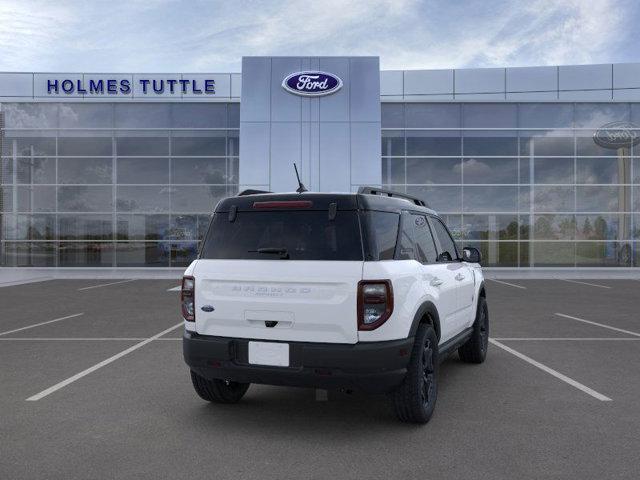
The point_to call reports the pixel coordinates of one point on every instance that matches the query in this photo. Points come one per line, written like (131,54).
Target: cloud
(167,36)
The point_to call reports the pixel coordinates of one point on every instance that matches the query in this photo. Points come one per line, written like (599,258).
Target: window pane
(546,144)
(78,254)
(233,112)
(434,170)
(30,115)
(143,199)
(432,115)
(603,254)
(29,146)
(200,170)
(36,199)
(183,227)
(41,254)
(603,199)
(85,199)
(183,253)
(490,145)
(6,170)
(35,169)
(142,146)
(604,227)
(636,170)
(86,115)
(142,254)
(554,199)
(490,170)
(487,115)
(85,227)
(490,227)
(553,254)
(602,170)
(6,199)
(392,143)
(545,115)
(425,247)
(554,227)
(140,115)
(35,227)
(393,170)
(199,115)
(85,170)
(490,199)
(142,170)
(196,199)
(431,143)
(142,227)
(446,244)
(585,145)
(553,170)
(392,115)
(91,146)
(441,199)
(598,114)
(497,254)
(213,144)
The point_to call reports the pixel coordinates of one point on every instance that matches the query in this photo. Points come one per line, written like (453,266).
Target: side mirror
(471,255)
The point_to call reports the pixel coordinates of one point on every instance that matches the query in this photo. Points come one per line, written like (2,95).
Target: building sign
(617,135)
(312,84)
(109,86)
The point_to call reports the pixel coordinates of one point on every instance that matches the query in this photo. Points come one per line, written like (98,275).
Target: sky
(212,36)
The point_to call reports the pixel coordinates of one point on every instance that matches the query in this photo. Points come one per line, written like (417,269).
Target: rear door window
(275,235)
(446,246)
(425,246)
(381,234)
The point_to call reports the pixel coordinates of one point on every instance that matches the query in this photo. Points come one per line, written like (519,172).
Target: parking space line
(584,283)
(97,366)
(551,371)
(629,332)
(175,289)
(507,283)
(107,284)
(570,339)
(41,323)
(85,339)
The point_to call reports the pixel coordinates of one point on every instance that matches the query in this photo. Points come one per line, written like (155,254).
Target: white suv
(363,291)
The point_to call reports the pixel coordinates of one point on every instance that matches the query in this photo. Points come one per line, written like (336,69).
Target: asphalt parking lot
(93,385)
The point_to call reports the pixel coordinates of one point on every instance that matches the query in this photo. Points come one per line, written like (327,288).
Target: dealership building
(535,166)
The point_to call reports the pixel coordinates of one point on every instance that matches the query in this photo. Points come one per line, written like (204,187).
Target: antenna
(301,188)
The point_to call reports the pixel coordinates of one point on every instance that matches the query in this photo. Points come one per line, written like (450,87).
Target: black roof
(321,201)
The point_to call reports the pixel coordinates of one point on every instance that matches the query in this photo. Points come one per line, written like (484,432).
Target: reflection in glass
(545,115)
(434,170)
(79,254)
(142,254)
(85,199)
(553,170)
(490,199)
(554,227)
(392,143)
(142,146)
(85,170)
(553,199)
(598,114)
(142,227)
(433,143)
(393,170)
(200,170)
(441,199)
(490,115)
(199,115)
(132,170)
(37,198)
(34,227)
(553,254)
(21,254)
(392,115)
(490,227)
(142,115)
(601,198)
(603,170)
(434,115)
(30,146)
(90,146)
(143,199)
(546,144)
(85,227)
(196,199)
(85,115)
(603,226)
(489,144)
(497,254)
(35,170)
(30,115)
(603,254)
(490,170)
(212,144)
(183,253)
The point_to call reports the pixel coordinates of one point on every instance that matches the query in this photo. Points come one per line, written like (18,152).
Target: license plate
(269,353)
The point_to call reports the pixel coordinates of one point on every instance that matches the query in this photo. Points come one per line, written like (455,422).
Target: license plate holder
(274,354)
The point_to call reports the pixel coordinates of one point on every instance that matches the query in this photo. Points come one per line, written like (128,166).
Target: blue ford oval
(312,83)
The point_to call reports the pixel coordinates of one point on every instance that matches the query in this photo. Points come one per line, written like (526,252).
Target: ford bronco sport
(365,291)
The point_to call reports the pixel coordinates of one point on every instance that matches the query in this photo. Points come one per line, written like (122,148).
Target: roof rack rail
(251,191)
(391,193)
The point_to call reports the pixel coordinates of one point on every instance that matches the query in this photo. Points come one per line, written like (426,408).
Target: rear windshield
(284,235)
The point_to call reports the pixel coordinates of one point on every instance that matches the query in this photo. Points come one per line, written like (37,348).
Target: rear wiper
(284,254)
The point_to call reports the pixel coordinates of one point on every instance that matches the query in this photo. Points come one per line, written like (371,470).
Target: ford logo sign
(312,84)
(617,135)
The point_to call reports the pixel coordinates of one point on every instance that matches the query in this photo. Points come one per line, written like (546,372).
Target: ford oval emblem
(207,308)
(312,83)
(617,135)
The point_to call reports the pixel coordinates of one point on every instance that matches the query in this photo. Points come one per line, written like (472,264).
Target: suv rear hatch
(280,270)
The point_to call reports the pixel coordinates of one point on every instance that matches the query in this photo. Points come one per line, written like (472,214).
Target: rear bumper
(373,367)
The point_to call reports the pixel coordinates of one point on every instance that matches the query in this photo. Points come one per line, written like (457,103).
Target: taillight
(375,303)
(187,298)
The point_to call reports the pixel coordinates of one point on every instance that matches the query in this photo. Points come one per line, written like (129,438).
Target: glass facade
(112,184)
(524,182)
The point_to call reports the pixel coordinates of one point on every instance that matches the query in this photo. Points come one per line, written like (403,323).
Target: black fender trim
(427,308)
(482,292)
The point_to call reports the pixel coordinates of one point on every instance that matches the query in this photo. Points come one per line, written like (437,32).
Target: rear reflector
(284,204)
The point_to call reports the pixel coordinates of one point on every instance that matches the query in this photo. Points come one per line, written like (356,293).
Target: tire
(415,399)
(475,349)
(218,391)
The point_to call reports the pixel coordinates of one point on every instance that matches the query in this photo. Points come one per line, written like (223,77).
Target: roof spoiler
(251,191)
(391,193)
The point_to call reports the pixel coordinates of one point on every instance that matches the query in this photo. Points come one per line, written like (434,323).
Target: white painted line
(107,284)
(507,283)
(551,371)
(41,323)
(24,281)
(175,289)
(109,360)
(545,339)
(584,283)
(629,332)
(97,339)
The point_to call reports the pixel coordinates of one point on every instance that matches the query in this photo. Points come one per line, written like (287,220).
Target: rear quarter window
(303,234)
(381,234)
